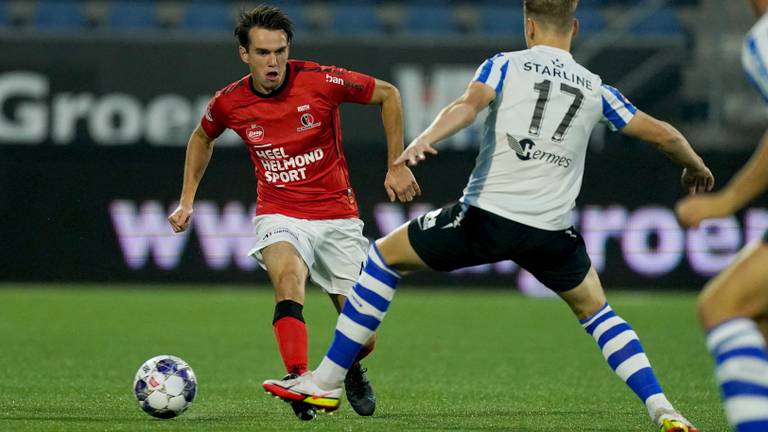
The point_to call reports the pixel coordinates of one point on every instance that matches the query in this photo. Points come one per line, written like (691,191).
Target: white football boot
(305,390)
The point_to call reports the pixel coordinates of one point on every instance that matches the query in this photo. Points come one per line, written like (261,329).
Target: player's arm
(199,151)
(748,183)
(399,181)
(696,176)
(456,116)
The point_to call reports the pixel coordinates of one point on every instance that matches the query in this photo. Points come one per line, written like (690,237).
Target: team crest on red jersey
(255,133)
(307,122)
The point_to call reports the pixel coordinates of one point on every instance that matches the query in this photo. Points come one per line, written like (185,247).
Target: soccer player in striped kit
(733,307)
(517,204)
(307,220)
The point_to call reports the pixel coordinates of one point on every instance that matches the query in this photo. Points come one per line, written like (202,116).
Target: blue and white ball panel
(617,110)
(167,366)
(140,390)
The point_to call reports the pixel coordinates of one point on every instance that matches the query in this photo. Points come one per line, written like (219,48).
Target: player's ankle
(324,384)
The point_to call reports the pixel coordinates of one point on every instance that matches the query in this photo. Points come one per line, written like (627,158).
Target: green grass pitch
(458,360)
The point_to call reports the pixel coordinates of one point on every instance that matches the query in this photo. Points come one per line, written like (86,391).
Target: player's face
(266,57)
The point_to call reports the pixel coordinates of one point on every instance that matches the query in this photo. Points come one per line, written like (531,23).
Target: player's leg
(360,316)
(622,350)
(340,253)
(367,304)
(560,261)
(288,274)
(762,324)
(285,252)
(728,308)
(388,259)
(357,386)
(338,302)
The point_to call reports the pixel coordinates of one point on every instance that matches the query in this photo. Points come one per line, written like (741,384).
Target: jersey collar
(552,50)
(277,90)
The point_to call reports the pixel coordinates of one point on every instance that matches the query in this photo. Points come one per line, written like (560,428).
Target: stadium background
(97,99)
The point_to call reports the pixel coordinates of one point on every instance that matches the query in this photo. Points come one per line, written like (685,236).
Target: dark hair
(263,16)
(557,14)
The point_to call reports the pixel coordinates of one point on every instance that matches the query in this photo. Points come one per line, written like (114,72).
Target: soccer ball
(165,386)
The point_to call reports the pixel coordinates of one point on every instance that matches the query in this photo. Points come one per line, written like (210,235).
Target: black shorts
(459,236)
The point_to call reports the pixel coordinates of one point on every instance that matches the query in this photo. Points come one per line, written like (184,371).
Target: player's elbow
(386,92)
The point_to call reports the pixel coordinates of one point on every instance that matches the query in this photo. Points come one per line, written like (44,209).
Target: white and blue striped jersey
(531,160)
(754,54)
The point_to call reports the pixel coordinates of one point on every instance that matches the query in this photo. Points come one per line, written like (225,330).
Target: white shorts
(333,249)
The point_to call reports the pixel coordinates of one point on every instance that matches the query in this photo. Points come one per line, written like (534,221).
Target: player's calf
(741,360)
(625,355)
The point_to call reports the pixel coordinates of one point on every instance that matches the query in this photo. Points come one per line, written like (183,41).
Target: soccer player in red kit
(307,225)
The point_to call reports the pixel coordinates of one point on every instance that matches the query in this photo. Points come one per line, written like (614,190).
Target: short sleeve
(213,119)
(349,86)
(493,72)
(753,61)
(617,110)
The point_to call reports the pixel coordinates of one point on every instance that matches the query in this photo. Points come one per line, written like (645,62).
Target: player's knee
(386,250)
(704,311)
(397,253)
(587,298)
(290,285)
(712,308)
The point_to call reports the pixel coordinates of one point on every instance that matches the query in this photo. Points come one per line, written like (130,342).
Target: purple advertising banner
(99,214)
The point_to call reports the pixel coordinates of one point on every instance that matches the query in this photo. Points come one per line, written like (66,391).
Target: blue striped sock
(625,355)
(742,372)
(361,315)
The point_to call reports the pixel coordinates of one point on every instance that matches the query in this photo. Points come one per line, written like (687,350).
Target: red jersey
(293,136)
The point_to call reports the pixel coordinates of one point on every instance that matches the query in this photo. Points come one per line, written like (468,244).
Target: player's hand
(415,152)
(401,184)
(180,218)
(691,210)
(696,181)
